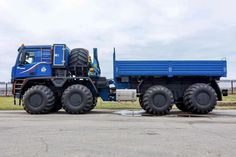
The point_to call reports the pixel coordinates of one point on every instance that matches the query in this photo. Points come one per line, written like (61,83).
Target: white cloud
(170,29)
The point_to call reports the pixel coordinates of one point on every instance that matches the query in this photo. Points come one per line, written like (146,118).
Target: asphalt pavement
(105,133)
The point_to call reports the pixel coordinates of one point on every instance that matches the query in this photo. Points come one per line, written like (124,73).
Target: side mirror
(22,58)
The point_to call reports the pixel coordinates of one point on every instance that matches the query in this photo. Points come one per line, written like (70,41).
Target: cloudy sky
(139,29)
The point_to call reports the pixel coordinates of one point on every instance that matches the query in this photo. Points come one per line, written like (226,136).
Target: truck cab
(38,61)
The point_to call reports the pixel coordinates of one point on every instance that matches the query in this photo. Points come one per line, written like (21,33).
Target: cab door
(25,66)
(59,53)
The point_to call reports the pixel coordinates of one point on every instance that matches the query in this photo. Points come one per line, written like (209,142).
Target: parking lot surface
(106,133)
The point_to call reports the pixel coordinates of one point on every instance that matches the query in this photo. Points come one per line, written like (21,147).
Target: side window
(29,58)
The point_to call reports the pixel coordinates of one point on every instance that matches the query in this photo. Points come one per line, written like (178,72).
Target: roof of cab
(35,47)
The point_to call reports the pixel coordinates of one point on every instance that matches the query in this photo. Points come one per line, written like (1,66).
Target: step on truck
(47,78)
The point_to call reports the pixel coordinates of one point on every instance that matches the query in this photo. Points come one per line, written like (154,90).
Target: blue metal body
(60,55)
(41,60)
(168,68)
(104,94)
(95,65)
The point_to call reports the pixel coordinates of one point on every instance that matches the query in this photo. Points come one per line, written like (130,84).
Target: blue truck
(47,78)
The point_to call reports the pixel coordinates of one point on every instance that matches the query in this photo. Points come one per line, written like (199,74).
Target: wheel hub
(35,100)
(75,99)
(203,98)
(159,100)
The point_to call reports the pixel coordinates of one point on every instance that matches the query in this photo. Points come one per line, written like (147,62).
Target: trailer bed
(170,68)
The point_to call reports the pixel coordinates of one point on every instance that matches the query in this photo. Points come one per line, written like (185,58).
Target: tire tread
(87,107)
(50,98)
(189,104)
(145,101)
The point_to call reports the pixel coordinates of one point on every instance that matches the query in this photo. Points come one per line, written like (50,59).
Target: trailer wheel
(77,99)
(181,107)
(200,98)
(57,105)
(38,99)
(78,62)
(158,100)
(141,102)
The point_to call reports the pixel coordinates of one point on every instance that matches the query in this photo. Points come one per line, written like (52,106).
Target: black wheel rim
(159,100)
(75,99)
(203,98)
(35,99)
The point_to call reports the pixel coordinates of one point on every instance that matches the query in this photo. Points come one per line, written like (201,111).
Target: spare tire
(79,62)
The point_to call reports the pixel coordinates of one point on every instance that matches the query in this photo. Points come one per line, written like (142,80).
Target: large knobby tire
(79,61)
(57,105)
(38,99)
(94,103)
(181,107)
(141,102)
(77,99)
(158,100)
(200,98)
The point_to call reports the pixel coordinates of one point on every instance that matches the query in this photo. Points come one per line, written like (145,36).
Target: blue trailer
(50,77)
